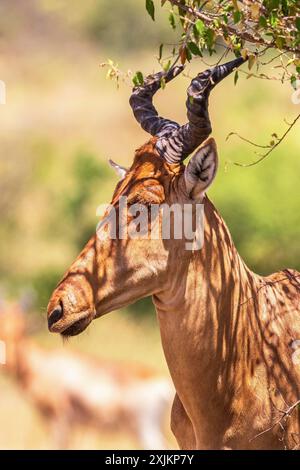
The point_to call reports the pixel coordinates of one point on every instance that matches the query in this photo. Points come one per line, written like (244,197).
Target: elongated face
(138,241)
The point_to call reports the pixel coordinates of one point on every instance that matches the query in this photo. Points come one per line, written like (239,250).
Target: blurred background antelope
(70,389)
(61,122)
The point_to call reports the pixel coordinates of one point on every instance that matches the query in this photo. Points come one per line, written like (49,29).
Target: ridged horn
(175,145)
(142,105)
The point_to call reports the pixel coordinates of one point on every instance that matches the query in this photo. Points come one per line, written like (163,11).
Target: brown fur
(227,333)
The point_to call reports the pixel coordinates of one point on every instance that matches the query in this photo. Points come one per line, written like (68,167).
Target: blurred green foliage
(87,173)
(124,26)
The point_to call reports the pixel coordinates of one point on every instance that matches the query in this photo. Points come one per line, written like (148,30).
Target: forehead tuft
(148,176)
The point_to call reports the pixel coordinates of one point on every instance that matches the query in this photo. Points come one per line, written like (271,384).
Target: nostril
(55,315)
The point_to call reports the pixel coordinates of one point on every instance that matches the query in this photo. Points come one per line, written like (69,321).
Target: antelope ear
(201,169)
(120,170)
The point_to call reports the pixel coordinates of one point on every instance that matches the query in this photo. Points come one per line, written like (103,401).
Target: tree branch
(208,19)
(271,148)
(285,414)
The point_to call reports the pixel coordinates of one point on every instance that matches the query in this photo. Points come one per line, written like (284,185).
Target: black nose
(55,315)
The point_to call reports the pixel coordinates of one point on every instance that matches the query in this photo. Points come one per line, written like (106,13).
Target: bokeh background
(63,120)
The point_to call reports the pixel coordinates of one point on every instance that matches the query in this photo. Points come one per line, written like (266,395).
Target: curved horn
(142,106)
(177,144)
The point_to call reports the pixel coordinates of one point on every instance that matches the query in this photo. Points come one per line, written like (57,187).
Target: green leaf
(194,48)
(200,26)
(237,16)
(167,66)
(138,79)
(196,33)
(285,7)
(263,22)
(298,23)
(210,38)
(289,62)
(150,8)
(294,82)
(236,77)
(172,20)
(279,42)
(273,19)
(188,55)
(273,4)
(160,51)
(225,18)
(251,61)
(298,69)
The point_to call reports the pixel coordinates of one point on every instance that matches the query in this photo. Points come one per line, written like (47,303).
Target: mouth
(74,327)
(77,327)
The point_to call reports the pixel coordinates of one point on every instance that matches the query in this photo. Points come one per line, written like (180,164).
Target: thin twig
(247,140)
(285,414)
(263,157)
(263,76)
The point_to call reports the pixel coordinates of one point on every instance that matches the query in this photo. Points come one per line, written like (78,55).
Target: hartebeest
(229,335)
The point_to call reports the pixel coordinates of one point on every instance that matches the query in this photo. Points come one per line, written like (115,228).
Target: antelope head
(112,272)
